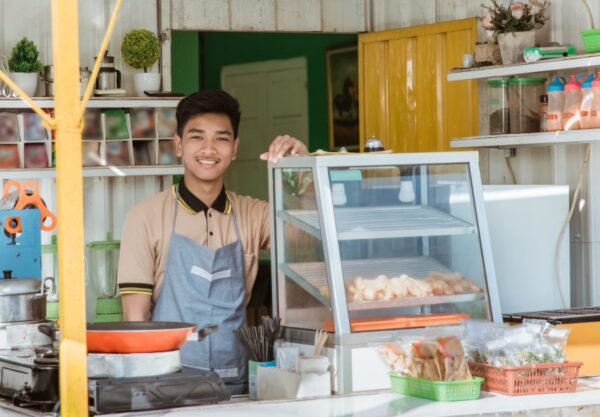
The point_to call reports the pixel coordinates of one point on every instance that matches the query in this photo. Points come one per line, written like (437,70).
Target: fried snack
(386,289)
(397,359)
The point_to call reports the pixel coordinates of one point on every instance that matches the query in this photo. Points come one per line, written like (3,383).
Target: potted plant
(514,26)
(24,66)
(141,49)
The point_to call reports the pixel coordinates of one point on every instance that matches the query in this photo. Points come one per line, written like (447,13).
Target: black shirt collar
(196,205)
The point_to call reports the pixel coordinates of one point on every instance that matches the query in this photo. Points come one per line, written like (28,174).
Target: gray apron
(204,287)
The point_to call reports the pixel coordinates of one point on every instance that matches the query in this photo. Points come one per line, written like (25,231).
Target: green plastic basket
(436,390)
(591,40)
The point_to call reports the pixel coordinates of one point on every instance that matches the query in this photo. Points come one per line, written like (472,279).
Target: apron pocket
(210,277)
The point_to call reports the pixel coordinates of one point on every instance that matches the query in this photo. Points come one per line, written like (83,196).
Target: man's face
(207,146)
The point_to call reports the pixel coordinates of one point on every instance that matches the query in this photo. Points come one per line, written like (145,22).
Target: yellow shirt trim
(187,208)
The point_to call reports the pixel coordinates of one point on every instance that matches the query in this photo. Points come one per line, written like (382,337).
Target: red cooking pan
(141,336)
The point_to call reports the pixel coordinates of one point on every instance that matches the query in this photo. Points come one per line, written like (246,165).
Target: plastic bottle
(587,97)
(556,102)
(595,109)
(571,115)
(543,112)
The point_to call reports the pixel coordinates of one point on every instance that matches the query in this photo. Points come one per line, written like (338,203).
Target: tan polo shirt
(147,232)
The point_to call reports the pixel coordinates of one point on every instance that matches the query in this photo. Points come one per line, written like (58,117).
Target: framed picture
(167,123)
(342,97)
(143,124)
(9,128)
(92,124)
(33,127)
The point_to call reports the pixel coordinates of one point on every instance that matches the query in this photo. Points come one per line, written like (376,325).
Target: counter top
(585,403)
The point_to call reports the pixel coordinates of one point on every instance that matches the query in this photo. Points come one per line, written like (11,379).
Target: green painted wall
(185,61)
(218,49)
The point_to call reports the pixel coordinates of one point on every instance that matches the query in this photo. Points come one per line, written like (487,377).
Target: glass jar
(498,107)
(374,144)
(103,259)
(524,98)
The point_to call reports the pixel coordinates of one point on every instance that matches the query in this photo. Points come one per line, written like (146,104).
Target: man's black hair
(208,101)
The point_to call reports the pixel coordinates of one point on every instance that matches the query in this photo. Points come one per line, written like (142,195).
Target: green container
(436,390)
(591,40)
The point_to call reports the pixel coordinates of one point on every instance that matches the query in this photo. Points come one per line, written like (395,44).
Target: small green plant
(24,57)
(140,49)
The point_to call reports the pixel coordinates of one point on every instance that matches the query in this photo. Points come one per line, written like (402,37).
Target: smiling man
(190,253)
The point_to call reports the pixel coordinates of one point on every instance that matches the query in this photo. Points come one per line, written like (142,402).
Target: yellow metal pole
(69,189)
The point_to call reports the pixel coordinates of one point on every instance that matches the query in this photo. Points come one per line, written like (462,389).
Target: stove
(187,387)
(29,377)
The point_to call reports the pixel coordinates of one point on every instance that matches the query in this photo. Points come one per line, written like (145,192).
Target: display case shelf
(571,62)
(312,277)
(563,137)
(382,222)
(415,301)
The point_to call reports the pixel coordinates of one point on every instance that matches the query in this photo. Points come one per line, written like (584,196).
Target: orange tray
(400,322)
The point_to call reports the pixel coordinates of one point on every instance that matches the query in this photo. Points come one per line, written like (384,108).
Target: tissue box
(277,383)
(252,376)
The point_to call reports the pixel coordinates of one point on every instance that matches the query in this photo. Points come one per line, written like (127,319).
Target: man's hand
(282,146)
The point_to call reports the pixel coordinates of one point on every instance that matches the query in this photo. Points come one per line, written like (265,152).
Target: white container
(556,102)
(595,107)
(27,81)
(146,81)
(585,111)
(571,114)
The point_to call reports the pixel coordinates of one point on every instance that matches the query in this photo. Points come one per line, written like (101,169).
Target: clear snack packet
(474,339)
(554,340)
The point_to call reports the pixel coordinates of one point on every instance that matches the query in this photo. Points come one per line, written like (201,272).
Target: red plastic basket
(543,378)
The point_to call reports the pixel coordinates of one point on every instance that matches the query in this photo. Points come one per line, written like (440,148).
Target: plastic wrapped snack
(452,354)
(398,358)
(554,340)
(425,360)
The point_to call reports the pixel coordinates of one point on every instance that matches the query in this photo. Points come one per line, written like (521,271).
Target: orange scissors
(28,197)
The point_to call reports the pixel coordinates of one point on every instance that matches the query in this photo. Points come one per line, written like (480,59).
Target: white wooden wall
(31,18)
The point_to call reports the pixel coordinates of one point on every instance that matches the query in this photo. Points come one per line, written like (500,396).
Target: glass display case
(367,246)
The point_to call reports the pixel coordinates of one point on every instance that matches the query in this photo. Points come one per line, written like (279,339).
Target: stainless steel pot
(109,78)
(21,299)
(48,78)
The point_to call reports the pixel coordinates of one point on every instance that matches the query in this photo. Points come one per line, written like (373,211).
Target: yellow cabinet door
(405,98)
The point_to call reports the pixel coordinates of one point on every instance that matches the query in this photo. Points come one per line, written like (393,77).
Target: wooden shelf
(120,171)
(96,102)
(556,64)
(563,137)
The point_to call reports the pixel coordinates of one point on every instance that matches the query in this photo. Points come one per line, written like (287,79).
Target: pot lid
(528,80)
(498,82)
(9,286)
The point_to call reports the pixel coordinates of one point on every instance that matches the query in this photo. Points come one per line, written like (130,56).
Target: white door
(274,101)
